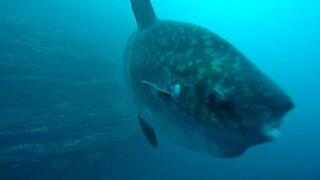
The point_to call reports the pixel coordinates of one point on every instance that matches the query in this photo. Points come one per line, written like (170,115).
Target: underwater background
(65,112)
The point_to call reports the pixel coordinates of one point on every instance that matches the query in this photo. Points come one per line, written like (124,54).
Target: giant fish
(195,88)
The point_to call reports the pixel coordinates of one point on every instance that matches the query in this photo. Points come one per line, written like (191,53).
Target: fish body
(195,88)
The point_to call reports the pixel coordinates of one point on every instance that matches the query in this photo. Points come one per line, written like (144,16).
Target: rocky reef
(60,97)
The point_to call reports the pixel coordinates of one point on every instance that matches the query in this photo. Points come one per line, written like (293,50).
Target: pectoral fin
(160,90)
(148,132)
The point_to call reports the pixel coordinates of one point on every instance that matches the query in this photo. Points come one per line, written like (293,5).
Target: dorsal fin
(143,12)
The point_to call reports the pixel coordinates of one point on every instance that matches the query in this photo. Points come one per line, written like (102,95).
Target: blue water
(64,108)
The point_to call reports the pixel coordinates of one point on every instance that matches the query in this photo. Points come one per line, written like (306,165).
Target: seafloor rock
(58,95)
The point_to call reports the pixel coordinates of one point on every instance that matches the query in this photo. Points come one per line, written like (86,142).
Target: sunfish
(198,90)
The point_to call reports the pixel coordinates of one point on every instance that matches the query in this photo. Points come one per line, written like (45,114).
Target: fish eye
(214,98)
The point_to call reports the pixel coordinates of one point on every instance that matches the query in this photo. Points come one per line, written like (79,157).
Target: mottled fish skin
(169,52)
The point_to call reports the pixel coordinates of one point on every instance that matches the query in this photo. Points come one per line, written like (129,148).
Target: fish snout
(282,107)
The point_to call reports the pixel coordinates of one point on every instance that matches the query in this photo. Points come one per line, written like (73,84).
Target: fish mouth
(272,131)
